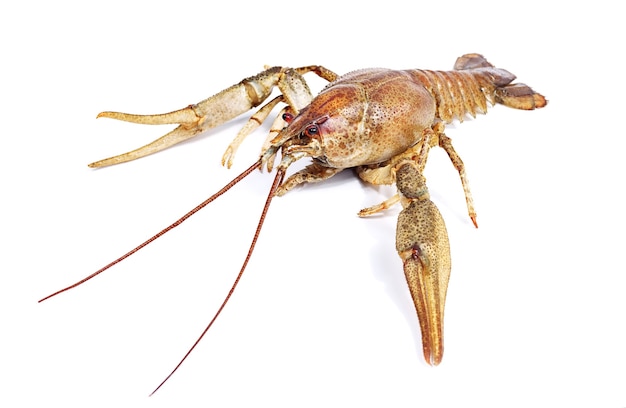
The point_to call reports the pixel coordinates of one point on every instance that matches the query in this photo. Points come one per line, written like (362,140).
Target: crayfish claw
(207,114)
(422,243)
(189,121)
(175,136)
(186,116)
(428,304)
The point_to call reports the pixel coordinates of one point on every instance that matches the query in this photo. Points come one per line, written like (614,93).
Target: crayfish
(380,122)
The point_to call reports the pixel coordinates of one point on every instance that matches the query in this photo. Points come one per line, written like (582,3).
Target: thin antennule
(278,180)
(163,231)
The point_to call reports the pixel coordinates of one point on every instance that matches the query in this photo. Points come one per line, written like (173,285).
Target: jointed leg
(221,108)
(387,174)
(446,143)
(312,173)
(251,125)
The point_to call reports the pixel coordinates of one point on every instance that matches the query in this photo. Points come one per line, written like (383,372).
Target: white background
(536,304)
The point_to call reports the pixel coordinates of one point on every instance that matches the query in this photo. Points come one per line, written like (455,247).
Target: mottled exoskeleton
(382,123)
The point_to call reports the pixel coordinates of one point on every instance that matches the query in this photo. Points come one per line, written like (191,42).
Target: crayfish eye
(312,131)
(287,117)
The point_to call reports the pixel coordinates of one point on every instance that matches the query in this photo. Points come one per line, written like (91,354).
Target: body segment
(367,117)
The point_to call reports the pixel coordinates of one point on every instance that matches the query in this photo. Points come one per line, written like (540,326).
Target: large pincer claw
(422,243)
(190,124)
(224,106)
(197,118)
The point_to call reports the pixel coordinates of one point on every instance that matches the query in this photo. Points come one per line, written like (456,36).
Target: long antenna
(167,229)
(277,182)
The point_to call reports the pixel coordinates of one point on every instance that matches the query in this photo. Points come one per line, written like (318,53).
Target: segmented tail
(474,83)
